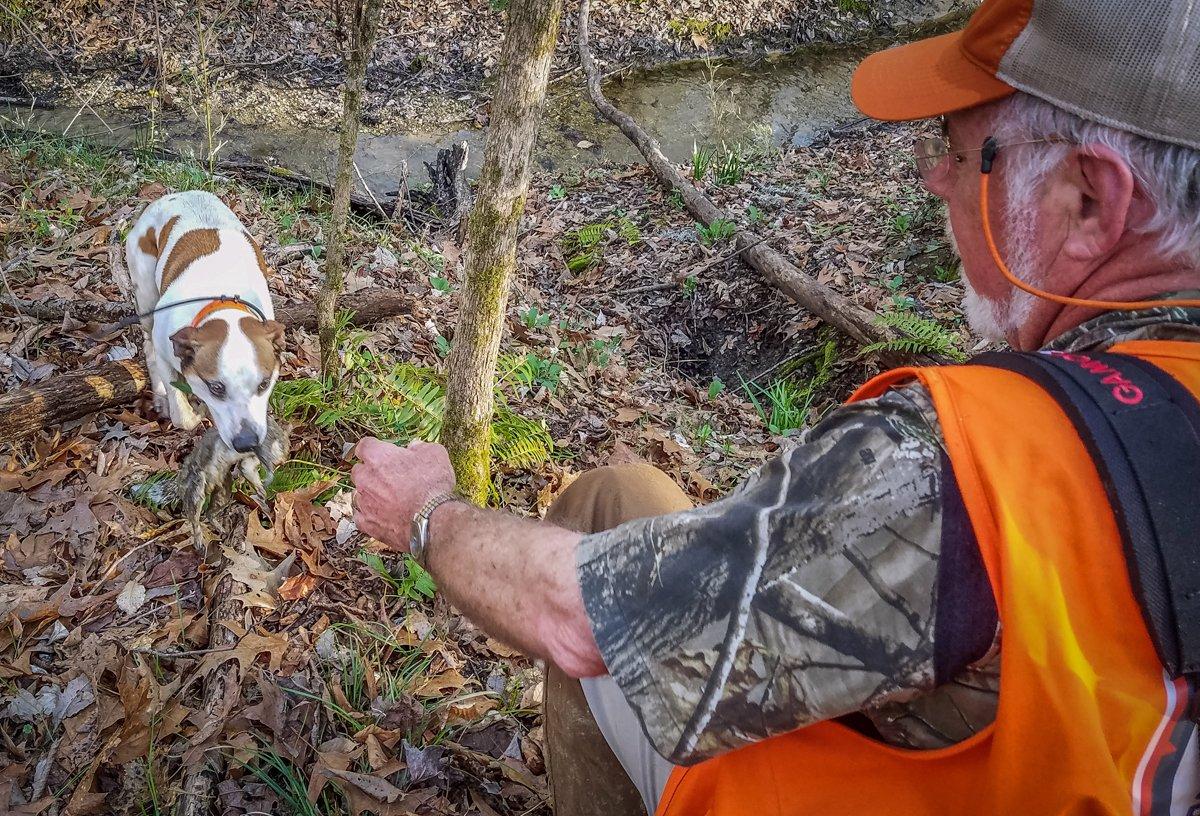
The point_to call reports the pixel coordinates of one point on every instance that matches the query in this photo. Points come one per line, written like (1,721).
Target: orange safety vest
(1087,723)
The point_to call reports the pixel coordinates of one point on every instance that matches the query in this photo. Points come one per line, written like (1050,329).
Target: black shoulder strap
(1142,428)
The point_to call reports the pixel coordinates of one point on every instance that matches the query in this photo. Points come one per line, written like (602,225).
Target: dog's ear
(185,343)
(273,331)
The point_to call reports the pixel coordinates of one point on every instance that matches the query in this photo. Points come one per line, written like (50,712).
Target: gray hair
(1168,174)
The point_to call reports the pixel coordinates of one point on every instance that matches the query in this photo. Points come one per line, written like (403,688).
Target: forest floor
(632,332)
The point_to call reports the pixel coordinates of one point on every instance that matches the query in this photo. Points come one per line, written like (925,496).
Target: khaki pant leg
(586,779)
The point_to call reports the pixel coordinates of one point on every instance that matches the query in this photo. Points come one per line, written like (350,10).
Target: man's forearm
(515,578)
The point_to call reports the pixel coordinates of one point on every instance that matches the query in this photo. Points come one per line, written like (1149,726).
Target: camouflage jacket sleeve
(806,594)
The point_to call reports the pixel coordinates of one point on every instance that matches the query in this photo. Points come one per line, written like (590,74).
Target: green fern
(397,401)
(919,335)
(629,231)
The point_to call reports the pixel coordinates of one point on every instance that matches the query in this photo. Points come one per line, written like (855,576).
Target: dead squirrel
(208,470)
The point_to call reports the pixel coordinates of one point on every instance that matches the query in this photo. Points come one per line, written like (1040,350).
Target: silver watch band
(418,545)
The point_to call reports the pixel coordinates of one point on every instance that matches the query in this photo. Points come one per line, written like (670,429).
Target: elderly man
(971,588)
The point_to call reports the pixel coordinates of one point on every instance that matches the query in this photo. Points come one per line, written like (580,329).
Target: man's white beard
(998,320)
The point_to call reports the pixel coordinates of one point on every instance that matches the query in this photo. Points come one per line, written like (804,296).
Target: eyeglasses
(931,154)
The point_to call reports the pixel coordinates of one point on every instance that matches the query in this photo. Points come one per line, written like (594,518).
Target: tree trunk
(360,26)
(491,248)
(67,397)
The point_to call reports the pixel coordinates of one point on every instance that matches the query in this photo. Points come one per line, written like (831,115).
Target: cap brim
(921,80)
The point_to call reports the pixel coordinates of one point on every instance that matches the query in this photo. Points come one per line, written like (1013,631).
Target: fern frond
(919,335)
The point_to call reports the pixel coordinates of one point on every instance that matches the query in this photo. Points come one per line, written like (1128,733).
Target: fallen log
(368,305)
(70,396)
(832,307)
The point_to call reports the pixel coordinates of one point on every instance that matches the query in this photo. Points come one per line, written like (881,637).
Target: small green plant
(675,200)
(702,159)
(557,193)
(498,5)
(439,283)
(715,388)
(703,435)
(433,260)
(601,351)
(715,233)
(689,286)
(902,223)
(946,274)
(917,335)
(629,231)
(536,371)
(854,6)
(755,214)
(411,582)
(532,318)
(442,345)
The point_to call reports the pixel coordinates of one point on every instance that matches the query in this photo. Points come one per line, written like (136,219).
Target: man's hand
(392,483)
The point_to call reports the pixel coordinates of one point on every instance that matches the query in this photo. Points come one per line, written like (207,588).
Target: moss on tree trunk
(491,249)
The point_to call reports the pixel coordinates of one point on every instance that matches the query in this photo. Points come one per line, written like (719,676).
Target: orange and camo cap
(1130,64)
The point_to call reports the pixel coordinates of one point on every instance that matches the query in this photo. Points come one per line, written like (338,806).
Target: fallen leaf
(298,586)
(131,598)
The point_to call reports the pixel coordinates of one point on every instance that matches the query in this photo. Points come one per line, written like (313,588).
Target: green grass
(290,784)
(783,405)
(786,404)
(702,159)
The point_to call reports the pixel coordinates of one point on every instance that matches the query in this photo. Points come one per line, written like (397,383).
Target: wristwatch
(418,545)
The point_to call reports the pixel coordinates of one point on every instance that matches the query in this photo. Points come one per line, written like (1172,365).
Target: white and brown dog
(191,247)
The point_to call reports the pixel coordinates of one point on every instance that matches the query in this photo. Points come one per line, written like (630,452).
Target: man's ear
(185,343)
(273,330)
(1107,204)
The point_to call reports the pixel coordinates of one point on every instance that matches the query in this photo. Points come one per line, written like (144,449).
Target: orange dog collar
(216,306)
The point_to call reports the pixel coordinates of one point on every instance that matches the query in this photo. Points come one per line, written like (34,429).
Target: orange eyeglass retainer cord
(985,169)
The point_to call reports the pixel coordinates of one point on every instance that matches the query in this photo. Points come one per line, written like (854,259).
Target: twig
(188,653)
(367,187)
(87,104)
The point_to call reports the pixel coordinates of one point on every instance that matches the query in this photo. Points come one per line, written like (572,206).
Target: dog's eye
(216,388)
(264,385)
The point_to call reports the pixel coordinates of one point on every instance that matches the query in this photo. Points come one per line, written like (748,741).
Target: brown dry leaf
(378,789)
(334,754)
(471,710)
(628,415)
(247,651)
(438,685)
(268,539)
(298,586)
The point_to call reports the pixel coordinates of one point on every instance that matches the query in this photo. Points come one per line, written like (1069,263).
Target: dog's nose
(244,441)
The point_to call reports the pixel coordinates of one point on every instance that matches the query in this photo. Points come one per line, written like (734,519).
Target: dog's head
(232,366)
